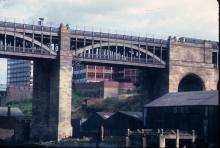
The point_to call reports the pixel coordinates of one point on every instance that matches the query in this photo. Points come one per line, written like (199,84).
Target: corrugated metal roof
(132,114)
(105,115)
(15,112)
(193,98)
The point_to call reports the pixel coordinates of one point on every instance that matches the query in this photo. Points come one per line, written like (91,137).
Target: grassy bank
(26,105)
(132,103)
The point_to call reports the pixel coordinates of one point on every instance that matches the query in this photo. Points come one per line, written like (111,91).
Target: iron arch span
(80,51)
(191,82)
(28,39)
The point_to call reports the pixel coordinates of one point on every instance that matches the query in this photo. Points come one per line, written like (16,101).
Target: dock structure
(162,136)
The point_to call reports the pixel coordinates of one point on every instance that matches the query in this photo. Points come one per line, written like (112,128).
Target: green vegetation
(78,99)
(77,110)
(132,103)
(90,94)
(24,105)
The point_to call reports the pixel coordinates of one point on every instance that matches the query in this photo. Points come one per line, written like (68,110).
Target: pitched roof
(192,98)
(15,112)
(132,114)
(105,115)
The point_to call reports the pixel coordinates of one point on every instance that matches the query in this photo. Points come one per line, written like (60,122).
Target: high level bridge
(181,64)
(32,41)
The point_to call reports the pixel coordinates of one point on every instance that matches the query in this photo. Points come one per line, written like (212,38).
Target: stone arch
(81,50)
(28,39)
(191,82)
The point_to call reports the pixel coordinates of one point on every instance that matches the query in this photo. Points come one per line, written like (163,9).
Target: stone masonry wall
(65,85)
(16,93)
(40,101)
(52,94)
(191,58)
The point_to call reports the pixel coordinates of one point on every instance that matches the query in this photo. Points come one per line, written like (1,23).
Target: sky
(154,18)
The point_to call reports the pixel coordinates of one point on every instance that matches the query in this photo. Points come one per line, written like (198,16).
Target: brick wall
(107,88)
(15,93)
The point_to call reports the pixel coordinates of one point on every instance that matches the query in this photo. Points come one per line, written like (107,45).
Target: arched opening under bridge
(191,82)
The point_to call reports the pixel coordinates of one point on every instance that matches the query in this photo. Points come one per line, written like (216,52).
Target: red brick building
(93,73)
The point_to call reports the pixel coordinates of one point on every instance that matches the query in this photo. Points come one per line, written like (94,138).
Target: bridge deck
(112,60)
(36,41)
(25,53)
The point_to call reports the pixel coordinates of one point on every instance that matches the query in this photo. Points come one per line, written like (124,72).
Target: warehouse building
(186,111)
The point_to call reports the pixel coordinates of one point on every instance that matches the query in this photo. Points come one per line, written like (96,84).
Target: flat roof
(191,98)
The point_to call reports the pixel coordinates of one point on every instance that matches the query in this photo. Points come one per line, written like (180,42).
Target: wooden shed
(117,124)
(186,111)
(93,123)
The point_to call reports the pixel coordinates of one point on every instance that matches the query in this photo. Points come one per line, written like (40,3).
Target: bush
(24,105)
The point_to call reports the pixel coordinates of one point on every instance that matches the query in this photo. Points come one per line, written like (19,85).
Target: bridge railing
(28,26)
(118,36)
(24,50)
(120,58)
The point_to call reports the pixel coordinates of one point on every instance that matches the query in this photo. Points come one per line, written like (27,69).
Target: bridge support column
(191,58)
(52,94)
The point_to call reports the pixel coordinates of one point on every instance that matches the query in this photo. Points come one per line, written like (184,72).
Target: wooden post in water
(177,138)
(144,139)
(162,141)
(102,132)
(193,139)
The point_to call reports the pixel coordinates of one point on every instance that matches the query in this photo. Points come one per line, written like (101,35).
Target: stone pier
(192,61)
(52,94)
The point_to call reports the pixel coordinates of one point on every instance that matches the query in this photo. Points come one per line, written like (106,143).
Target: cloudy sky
(158,18)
